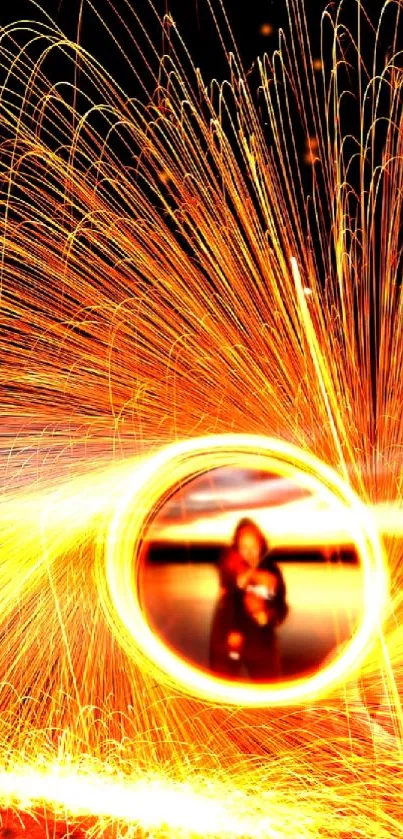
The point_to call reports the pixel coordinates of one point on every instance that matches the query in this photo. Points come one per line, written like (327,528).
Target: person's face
(249,546)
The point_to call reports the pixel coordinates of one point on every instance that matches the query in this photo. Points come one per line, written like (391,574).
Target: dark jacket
(280,599)
(230,567)
(258,651)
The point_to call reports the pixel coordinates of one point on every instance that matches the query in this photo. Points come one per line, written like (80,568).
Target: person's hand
(260,589)
(263,583)
(243,578)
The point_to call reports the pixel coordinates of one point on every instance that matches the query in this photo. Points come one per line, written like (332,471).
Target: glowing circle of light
(148,488)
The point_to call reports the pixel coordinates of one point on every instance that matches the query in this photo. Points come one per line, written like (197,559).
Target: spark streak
(153,256)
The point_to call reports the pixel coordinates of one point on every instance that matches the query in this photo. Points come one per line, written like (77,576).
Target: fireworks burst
(166,277)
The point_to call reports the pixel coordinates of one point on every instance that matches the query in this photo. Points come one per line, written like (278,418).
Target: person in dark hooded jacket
(252,604)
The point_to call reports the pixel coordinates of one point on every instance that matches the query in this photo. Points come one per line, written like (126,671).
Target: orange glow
(172,278)
(165,471)
(266,29)
(165,177)
(311,150)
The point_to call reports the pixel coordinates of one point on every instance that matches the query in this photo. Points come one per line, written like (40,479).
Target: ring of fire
(144,493)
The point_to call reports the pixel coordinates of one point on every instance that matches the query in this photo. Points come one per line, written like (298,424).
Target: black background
(194,20)
(120,34)
(192,17)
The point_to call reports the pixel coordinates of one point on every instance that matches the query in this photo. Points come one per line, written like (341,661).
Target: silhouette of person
(251,605)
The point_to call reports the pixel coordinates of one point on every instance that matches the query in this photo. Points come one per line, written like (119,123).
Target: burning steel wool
(174,300)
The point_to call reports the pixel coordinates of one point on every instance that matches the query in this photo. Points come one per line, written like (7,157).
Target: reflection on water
(325,604)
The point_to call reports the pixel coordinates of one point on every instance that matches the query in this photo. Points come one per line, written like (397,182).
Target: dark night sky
(247,18)
(193,18)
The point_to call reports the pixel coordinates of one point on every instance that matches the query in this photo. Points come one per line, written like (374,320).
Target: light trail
(150,803)
(148,298)
(172,466)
